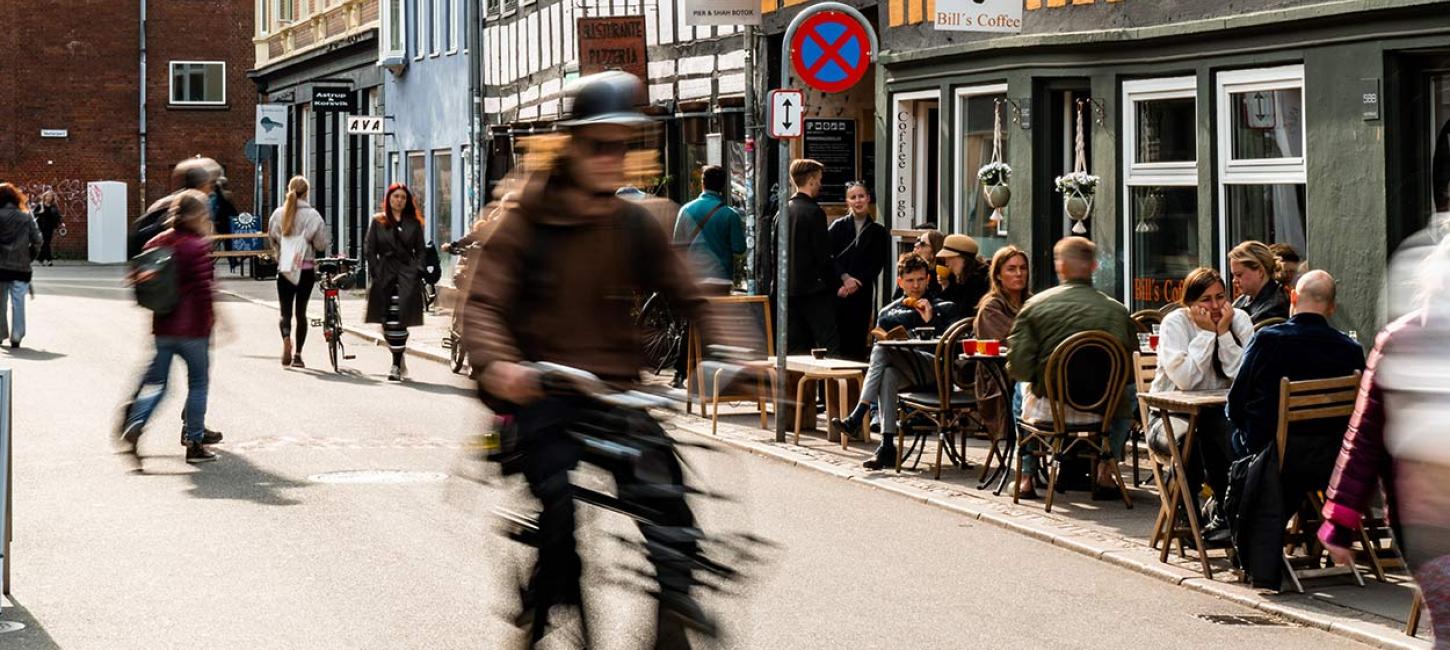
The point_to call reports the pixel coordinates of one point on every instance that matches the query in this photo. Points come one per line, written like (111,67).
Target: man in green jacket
(1052,316)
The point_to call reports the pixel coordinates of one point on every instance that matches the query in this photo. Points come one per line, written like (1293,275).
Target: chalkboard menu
(833,144)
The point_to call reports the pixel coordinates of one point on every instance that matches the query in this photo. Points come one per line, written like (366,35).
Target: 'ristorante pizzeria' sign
(613,43)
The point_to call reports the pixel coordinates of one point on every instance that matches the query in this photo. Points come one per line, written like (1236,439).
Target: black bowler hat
(606,98)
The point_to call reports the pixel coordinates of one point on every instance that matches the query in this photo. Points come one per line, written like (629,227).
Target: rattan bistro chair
(951,409)
(1145,319)
(1270,322)
(1086,373)
(1301,401)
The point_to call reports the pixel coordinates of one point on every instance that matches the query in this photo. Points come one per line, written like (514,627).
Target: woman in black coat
(47,216)
(860,247)
(393,251)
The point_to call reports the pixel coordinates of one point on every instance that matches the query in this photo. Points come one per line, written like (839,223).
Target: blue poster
(246,223)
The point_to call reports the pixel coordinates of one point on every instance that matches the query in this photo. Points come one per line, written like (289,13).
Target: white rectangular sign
(787,113)
(978,16)
(271,124)
(722,12)
(54,133)
(364,125)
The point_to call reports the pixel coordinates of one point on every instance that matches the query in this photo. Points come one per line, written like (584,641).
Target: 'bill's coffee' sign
(614,43)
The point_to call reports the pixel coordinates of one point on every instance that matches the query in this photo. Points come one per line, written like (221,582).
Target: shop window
(1161,188)
(915,159)
(442,197)
(418,182)
(1262,178)
(198,83)
(976,122)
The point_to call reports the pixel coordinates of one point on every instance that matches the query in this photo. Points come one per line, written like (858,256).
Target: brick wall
(74,65)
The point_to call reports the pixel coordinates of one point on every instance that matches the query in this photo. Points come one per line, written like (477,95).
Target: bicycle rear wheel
(332,328)
(661,332)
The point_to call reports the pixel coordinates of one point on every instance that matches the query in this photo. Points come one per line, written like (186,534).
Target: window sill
(174,106)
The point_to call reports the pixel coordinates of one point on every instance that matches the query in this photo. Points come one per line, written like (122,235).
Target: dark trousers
(46,254)
(853,321)
(650,481)
(294,299)
(812,324)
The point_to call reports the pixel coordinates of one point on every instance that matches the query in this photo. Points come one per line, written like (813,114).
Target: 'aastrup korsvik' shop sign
(613,43)
(978,16)
(332,99)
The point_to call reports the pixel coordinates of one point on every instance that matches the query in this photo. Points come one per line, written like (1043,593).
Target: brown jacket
(574,305)
(994,321)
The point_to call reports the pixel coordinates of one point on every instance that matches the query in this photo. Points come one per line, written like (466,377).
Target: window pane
(442,197)
(1267,213)
(395,25)
(977,151)
(1166,131)
(418,180)
(178,83)
(213,79)
(1165,242)
(1268,124)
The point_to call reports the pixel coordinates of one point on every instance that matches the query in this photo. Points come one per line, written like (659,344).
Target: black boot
(885,454)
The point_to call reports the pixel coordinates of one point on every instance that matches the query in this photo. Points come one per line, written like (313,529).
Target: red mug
(969,347)
(990,348)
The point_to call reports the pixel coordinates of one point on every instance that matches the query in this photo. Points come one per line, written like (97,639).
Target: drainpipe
(474,45)
(142,106)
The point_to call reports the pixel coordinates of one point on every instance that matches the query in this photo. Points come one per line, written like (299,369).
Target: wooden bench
(265,251)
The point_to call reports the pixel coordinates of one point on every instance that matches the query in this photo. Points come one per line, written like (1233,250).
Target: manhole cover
(10,626)
(378,477)
(1244,619)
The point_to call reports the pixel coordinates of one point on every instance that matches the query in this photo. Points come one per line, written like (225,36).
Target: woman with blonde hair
(1011,283)
(1253,266)
(297,232)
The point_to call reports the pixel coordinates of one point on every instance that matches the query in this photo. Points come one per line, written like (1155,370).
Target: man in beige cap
(966,281)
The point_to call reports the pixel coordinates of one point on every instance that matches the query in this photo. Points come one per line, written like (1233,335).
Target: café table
(803,371)
(999,442)
(1177,494)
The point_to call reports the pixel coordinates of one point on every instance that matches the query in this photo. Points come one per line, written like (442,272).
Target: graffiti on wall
(70,196)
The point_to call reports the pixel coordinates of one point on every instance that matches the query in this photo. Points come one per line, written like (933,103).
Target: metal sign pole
(783,230)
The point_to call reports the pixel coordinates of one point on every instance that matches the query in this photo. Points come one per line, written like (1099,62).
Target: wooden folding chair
(1145,370)
(1099,364)
(1412,625)
(1302,401)
(738,327)
(951,407)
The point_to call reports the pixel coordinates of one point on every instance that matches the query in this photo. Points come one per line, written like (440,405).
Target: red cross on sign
(831,51)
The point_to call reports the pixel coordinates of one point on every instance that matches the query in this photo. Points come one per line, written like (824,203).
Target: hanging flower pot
(994,177)
(1078,190)
(997,195)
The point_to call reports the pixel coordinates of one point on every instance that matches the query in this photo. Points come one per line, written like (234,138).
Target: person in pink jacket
(1398,439)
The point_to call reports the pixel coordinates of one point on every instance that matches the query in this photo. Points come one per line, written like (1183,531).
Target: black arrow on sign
(787,106)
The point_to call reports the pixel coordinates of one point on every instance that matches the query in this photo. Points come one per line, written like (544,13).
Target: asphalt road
(252,552)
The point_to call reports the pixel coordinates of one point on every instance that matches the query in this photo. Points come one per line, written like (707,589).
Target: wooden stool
(838,388)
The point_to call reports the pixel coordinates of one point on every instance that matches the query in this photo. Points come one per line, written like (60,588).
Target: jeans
(16,292)
(1117,433)
(886,379)
(196,353)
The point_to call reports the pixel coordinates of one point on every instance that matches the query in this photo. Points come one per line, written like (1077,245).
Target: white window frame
(450,27)
(171,84)
(964,175)
(435,34)
(1136,174)
(420,31)
(386,28)
(1272,171)
(291,17)
(264,17)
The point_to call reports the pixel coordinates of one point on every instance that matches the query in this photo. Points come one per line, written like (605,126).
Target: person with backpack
(182,325)
(199,174)
(20,240)
(713,236)
(393,251)
(297,232)
(556,283)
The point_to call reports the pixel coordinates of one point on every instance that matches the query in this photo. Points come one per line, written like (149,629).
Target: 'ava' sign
(979,15)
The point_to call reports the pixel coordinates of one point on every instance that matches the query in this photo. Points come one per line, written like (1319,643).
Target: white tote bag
(289,259)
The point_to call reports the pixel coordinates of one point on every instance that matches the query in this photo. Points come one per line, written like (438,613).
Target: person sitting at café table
(1253,266)
(926,247)
(1304,348)
(887,378)
(1289,262)
(965,283)
(1047,320)
(995,315)
(1200,348)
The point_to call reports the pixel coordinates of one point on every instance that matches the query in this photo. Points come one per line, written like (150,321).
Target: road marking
(377,477)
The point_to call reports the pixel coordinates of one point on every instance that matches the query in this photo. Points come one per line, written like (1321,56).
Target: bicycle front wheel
(662,332)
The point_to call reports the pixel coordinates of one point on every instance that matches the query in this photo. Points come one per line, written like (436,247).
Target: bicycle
(662,333)
(335,274)
(616,433)
(453,341)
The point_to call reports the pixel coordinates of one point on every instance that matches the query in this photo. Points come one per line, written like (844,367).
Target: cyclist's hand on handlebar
(513,382)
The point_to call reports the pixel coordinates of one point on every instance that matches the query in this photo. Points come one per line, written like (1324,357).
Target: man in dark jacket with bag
(556,283)
(813,279)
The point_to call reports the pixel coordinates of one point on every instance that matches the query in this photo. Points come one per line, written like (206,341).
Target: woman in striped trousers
(393,251)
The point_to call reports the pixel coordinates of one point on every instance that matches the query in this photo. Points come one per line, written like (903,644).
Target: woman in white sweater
(297,232)
(1200,347)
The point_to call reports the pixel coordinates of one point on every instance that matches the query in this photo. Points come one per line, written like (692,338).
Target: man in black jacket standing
(813,282)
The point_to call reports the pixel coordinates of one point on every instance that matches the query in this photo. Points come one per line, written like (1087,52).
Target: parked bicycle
(334,275)
(661,332)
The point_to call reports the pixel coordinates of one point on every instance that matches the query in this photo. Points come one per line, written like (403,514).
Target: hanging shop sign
(332,99)
(833,144)
(978,16)
(613,43)
(722,12)
(831,51)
